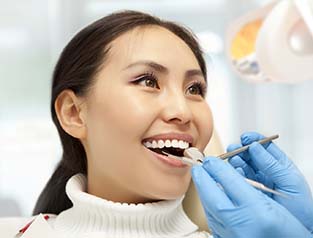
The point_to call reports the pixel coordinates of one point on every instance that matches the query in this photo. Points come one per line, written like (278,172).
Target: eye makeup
(149,78)
(202,87)
(154,81)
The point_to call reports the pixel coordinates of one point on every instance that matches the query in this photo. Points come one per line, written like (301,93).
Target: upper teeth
(167,143)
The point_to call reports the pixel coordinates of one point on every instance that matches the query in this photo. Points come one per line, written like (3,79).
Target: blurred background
(32,35)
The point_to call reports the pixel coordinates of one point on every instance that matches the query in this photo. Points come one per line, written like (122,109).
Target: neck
(91,214)
(123,195)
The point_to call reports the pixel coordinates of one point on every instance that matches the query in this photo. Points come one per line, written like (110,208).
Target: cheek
(118,120)
(205,125)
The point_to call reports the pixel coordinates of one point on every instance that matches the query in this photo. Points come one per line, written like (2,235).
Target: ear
(71,112)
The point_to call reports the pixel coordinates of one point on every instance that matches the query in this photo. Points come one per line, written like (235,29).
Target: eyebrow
(162,69)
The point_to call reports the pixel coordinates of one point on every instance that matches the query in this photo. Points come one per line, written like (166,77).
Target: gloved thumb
(269,165)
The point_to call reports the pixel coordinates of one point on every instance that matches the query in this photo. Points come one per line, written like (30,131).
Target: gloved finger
(240,171)
(235,186)
(215,235)
(277,153)
(216,229)
(211,195)
(262,178)
(233,147)
(213,224)
(244,155)
(249,137)
(244,169)
(268,164)
(237,162)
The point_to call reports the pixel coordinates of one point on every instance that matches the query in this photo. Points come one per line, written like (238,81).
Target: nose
(176,109)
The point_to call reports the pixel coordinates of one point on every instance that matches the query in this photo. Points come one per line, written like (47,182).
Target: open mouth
(170,150)
(173,147)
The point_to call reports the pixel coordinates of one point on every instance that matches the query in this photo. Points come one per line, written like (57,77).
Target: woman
(124,84)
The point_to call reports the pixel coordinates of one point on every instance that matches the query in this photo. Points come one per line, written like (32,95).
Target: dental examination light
(273,43)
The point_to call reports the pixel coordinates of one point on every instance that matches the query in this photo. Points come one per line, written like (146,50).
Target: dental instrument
(244,148)
(192,156)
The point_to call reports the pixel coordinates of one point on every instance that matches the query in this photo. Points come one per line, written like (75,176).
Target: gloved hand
(239,210)
(269,165)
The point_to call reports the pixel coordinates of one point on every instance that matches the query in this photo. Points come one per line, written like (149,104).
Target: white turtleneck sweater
(92,216)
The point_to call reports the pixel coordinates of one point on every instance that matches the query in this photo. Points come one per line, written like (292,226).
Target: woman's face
(148,86)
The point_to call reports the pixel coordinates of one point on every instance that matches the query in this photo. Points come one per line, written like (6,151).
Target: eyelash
(145,76)
(150,75)
(201,86)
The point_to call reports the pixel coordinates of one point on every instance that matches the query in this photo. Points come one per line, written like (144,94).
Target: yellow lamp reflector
(243,44)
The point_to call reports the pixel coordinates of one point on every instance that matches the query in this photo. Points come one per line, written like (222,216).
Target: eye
(197,88)
(148,79)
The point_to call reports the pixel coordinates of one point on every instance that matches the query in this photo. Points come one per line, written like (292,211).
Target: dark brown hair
(76,68)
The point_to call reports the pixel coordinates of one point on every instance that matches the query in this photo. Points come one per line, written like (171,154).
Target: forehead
(152,43)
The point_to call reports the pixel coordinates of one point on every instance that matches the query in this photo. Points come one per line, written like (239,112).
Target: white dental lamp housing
(283,46)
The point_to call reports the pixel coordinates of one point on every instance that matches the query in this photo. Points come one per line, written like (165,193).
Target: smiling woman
(125,88)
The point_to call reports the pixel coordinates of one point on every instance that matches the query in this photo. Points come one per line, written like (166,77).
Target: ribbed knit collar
(91,215)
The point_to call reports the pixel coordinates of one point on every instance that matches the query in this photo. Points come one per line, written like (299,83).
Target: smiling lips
(170,142)
(171,136)
(173,143)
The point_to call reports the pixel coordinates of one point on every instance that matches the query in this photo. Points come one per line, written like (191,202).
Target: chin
(171,194)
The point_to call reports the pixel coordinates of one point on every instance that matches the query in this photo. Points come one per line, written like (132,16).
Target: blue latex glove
(269,165)
(239,210)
